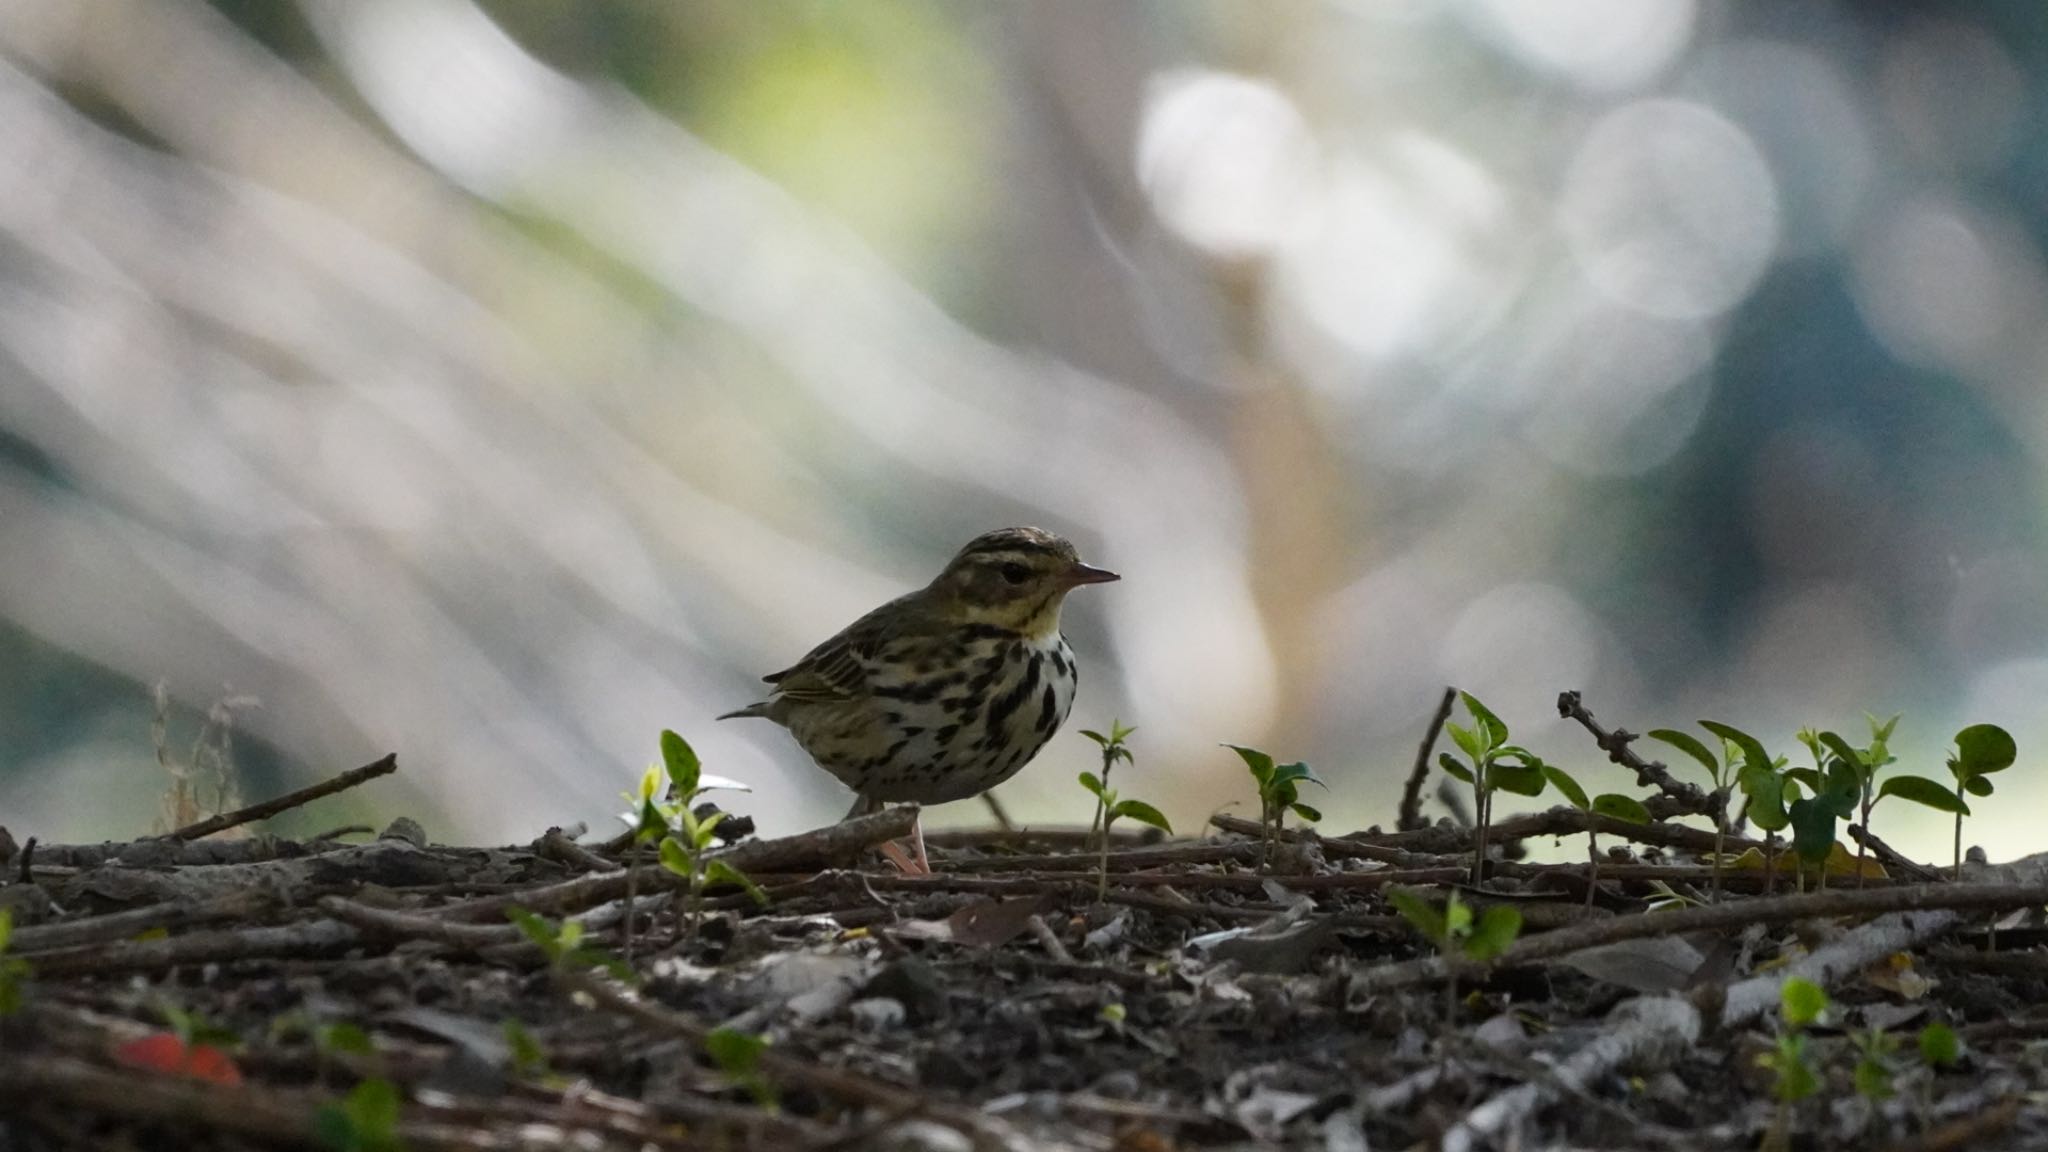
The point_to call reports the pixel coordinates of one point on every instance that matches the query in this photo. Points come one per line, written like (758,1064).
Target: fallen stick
(123,925)
(1765,910)
(311,938)
(1410,815)
(1647,1032)
(831,842)
(290,800)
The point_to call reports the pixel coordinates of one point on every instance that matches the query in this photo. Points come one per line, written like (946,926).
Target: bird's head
(1014,579)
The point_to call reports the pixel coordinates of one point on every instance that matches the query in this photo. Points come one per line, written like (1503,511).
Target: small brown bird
(947,691)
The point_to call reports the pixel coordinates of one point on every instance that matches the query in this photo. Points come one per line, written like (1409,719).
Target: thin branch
(1648,772)
(269,808)
(1410,816)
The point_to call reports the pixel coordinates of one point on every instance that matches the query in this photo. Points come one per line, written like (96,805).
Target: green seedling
(1981,749)
(1114,749)
(564,946)
(14,971)
(1765,789)
(738,1055)
(686,839)
(1939,1046)
(1114,808)
(1457,934)
(194,1028)
(529,1056)
(1279,787)
(1834,783)
(1800,1004)
(1722,771)
(1494,766)
(1613,805)
(366,1120)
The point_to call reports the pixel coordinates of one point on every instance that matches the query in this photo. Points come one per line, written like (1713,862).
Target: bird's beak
(1084,574)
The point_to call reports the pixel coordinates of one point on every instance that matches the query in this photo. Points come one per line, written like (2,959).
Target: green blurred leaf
(1753,754)
(675,859)
(1687,743)
(1921,790)
(1143,813)
(536,929)
(1802,1001)
(1293,774)
(1627,809)
(345,1037)
(1766,792)
(1453,768)
(1873,1079)
(681,761)
(1496,930)
(1563,782)
(1979,786)
(1419,911)
(1092,783)
(1312,815)
(720,872)
(1940,1047)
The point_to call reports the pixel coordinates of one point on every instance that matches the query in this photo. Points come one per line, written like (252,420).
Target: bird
(945,692)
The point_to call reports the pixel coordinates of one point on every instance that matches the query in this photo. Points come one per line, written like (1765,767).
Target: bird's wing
(839,668)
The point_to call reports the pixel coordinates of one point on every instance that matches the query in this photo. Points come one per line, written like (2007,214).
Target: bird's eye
(1016,573)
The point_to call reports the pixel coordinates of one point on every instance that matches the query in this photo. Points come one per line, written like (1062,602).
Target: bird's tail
(758,708)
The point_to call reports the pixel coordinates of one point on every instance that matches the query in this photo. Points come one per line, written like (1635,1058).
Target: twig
(1128,860)
(1648,772)
(268,808)
(1891,857)
(312,938)
(1648,1032)
(832,842)
(384,922)
(1050,941)
(122,925)
(555,845)
(1333,847)
(1767,910)
(1973,1131)
(1410,816)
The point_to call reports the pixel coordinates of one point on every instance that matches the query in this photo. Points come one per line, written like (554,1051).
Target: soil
(1222,993)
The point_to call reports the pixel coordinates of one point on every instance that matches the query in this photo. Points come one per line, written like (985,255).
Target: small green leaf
(1453,768)
(1098,737)
(1834,743)
(681,761)
(1921,790)
(535,929)
(1294,773)
(1813,829)
(1468,740)
(720,872)
(1520,779)
(1811,777)
(1457,916)
(1766,792)
(1753,754)
(1985,748)
(1143,813)
(1939,1046)
(1496,731)
(1626,809)
(529,1058)
(1260,764)
(345,1037)
(1689,744)
(735,1052)
(1796,1080)
(1496,930)
(6,928)
(1563,782)
(1978,786)
(675,858)
(1092,783)
(1802,1002)
(1873,1079)
(1312,815)
(1415,908)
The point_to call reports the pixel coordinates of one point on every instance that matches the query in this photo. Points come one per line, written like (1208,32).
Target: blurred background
(497,382)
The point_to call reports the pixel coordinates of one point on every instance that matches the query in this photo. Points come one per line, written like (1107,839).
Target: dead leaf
(985,924)
(1649,964)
